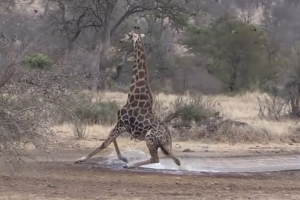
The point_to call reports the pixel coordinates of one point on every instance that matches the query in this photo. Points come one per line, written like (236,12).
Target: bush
(232,134)
(37,61)
(80,129)
(99,112)
(22,124)
(294,135)
(161,107)
(194,108)
(273,107)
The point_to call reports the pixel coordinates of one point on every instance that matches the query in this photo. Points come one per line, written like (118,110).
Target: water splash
(134,155)
(200,165)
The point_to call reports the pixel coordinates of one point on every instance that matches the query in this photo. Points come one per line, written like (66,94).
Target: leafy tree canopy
(235,51)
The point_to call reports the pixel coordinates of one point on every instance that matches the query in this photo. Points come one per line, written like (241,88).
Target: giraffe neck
(140,70)
(140,94)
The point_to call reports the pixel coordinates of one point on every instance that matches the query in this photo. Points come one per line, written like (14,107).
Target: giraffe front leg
(120,157)
(103,146)
(153,148)
(111,138)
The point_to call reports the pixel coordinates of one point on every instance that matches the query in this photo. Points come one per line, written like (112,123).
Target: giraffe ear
(142,35)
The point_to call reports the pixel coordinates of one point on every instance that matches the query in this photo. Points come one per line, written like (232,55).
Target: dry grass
(243,108)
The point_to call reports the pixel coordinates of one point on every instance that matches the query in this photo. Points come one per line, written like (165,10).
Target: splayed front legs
(153,143)
(111,138)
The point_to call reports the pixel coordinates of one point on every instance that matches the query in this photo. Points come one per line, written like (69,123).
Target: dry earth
(59,178)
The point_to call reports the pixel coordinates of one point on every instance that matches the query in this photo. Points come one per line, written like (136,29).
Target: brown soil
(65,180)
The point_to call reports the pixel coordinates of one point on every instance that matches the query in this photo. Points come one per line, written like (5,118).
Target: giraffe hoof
(124,159)
(127,166)
(79,161)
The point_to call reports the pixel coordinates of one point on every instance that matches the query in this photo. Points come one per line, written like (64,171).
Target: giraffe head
(133,36)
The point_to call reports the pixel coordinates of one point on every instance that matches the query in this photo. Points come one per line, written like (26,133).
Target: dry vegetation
(219,118)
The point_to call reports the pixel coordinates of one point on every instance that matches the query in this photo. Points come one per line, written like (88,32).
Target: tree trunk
(101,84)
(65,58)
(94,69)
(104,53)
(232,84)
(294,98)
(127,53)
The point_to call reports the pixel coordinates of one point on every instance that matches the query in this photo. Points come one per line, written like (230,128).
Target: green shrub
(37,61)
(194,108)
(99,113)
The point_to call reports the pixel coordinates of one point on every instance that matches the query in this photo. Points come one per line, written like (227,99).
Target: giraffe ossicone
(136,116)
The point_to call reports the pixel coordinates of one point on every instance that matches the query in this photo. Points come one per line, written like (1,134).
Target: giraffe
(139,91)
(136,116)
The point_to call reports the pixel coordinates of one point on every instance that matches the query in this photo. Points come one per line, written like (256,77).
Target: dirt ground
(61,179)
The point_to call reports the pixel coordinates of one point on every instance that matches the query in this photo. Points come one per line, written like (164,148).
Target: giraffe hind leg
(167,150)
(153,149)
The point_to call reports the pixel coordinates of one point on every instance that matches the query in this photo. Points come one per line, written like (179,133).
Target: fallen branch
(172,116)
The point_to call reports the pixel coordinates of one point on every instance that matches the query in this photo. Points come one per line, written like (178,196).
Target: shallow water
(214,165)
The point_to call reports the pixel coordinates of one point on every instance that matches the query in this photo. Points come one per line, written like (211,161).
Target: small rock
(187,150)
(51,186)
(91,167)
